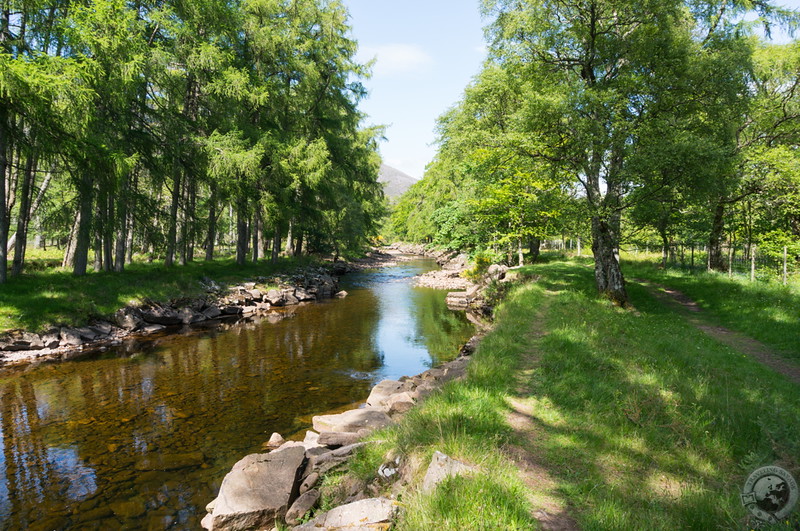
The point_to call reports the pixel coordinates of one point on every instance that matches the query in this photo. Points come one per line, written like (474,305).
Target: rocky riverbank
(280,487)
(261,297)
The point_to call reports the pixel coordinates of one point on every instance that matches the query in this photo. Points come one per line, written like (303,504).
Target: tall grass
(766,311)
(642,421)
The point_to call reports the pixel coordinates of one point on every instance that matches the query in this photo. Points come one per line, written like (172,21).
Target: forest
(666,125)
(163,129)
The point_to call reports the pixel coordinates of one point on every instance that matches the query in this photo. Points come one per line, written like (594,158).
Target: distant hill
(395,181)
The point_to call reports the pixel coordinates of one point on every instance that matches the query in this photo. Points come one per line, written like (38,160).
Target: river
(140,437)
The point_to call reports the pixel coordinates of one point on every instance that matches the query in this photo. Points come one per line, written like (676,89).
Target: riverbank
(575,414)
(75,316)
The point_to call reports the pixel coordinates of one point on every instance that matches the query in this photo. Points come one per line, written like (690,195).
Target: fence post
(730,260)
(752,263)
(784,265)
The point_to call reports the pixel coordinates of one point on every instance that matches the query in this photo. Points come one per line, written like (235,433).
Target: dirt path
(755,349)
(551,507)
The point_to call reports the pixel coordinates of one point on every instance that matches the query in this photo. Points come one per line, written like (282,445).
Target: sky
(427,52)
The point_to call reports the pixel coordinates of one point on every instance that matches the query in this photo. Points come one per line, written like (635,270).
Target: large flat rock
(372,513)
(370,418)
(383,391)
(258,490)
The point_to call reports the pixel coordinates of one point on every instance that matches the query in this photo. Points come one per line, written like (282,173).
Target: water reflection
(143,440)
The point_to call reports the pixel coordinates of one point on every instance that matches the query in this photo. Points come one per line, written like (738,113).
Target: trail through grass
(766,311)
(636,418)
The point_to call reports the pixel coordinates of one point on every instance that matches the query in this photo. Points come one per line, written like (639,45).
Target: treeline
(619,122)
(153,126)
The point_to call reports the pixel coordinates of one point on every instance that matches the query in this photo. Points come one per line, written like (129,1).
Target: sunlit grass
(643,421)
(766,311)
(52,296)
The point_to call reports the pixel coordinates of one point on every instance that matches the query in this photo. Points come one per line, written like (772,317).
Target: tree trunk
(289,242)
(520,255)
(212,224)
(84,234)
(607,273)
(23,216)
(256,232)
(34,209)
(3,168)
(276,244)
(172,230)
(69,251)
(242,235)
(715,260)
(298,244)
(535,245)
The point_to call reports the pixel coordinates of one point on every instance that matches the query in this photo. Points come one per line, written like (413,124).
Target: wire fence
(775,263)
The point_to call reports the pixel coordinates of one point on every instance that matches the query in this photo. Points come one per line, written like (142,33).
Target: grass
(641,420)
(766,311)
(52,296)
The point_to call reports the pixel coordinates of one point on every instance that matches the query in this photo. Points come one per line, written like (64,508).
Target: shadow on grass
(768,312)
(648,423)
(37,300)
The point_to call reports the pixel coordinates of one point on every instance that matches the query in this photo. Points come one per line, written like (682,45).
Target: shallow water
(141,437)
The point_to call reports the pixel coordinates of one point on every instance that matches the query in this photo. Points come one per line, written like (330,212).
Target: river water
(140,437)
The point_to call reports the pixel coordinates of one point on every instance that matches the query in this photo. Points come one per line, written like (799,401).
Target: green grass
(642,421)
(52,296)
(766,311)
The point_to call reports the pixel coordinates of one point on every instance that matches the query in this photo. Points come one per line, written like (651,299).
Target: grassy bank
(54,296)
(626,419)
(766,311)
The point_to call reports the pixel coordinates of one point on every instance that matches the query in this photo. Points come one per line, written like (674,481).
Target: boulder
(153,328)
(212,312)
(128,318)
(311,440)
(275,440)
(189,316)
(290,299)
(301,506)
(162,316)
(102,329)
(232,310)
(351,421)
(87,333)
(341,294)
(274,297)
(496,272)
(70,338)
(363,514)
(441,468)
(335,439)
(253,295)
(257,491)
(303,295)
(51,339)
(400,403)
(381,393)
(309,482)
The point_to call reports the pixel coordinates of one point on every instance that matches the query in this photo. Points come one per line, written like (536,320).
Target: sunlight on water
(142,436)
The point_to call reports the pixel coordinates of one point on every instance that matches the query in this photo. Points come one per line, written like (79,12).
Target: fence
(742,260)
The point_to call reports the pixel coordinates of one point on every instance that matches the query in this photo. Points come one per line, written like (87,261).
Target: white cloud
(396,59)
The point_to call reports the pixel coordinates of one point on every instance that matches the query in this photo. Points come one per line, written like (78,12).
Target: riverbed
(141,436)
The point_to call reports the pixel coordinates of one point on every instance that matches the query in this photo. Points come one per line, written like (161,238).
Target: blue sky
(427,52)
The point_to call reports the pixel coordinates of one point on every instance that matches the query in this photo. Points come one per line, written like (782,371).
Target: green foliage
(482,260)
